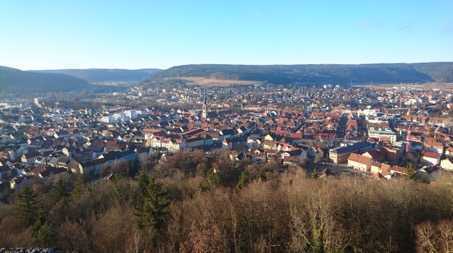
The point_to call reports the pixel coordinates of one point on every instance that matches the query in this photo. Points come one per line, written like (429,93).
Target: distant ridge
(343,74)
(15,80)
(96,75)
(18,81)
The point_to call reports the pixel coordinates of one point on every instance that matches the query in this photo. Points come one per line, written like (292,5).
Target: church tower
(204,110)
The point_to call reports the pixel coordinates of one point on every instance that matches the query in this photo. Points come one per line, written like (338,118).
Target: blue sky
(42,34)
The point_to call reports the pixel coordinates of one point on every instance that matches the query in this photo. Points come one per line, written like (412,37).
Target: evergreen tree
(61,193)
(152,209)
(42,231)
(157,204)
(27,208)
(79,187)
(143,182)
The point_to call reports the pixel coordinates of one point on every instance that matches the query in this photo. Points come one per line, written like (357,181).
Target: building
(431,157)
(361,162)
(341,154)
(382,134)
(204,109)
(447,164)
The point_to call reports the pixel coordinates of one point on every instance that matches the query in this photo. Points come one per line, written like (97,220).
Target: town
(226,126)
(382,132)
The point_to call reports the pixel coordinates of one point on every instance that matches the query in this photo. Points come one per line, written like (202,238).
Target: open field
(216,82)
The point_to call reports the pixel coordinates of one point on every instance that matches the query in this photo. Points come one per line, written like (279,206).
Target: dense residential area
(374,132)
(184,168)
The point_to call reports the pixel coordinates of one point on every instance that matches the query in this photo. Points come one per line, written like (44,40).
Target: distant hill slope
(15,80)
(438,71)
(106,75)
(315,74)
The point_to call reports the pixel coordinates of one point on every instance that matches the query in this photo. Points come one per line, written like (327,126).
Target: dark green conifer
(27,207)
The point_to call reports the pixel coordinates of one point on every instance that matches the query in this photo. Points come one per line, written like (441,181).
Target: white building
(382,134)
(446,164)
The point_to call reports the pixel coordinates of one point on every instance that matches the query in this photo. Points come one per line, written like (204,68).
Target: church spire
(204,112)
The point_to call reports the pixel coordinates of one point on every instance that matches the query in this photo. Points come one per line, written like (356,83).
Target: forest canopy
(194,203)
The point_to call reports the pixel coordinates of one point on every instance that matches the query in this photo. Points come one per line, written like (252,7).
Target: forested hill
(18,81)
(438,71)
(317,74)
(106,75)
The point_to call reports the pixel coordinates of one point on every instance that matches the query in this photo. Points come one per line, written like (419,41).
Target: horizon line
(240,64)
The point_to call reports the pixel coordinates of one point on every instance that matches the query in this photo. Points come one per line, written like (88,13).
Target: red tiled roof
(431,154)
(360,159)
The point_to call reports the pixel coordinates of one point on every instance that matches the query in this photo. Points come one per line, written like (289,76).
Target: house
(431,157)
(97,166)
(165,141)
(392,154)
(199,139)
(361,162)
(297,155)
(375,154)
(447,164)
(432,144)
(387,171)
(227,133)
(268,142)
(340,154)
(253,141)
(382,134)
(201,142)
(327,136)
(377,168)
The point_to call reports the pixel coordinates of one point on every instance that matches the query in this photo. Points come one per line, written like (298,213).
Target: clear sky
(38,34)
